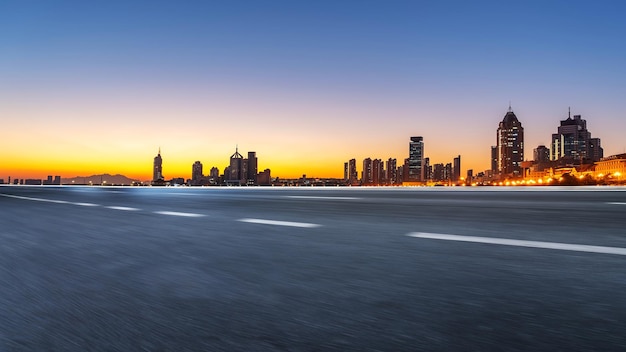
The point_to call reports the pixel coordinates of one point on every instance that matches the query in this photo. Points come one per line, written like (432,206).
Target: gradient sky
(90,87)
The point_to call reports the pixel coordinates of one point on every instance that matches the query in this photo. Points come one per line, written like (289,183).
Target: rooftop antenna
(510,109)
(569,112)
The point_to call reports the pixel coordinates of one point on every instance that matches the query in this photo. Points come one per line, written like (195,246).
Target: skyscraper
(196,173)
(378,171)
(416,159)
(573,142)
(510,147)
(392,171)
(456,169)
(353,176)
(235,169)
(366,176)
(252,170)
(157,168)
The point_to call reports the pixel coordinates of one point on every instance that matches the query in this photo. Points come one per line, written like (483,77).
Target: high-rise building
(353,175)
(251,170)
(235,170)
(438,172)
(196,173)
(378,171)
(573,142)
(157,168)
(366,174)
(428,170)
(541,154)
(416,159)
(494,159)
(456,169)
(392,172)
(510,147)
(215,173)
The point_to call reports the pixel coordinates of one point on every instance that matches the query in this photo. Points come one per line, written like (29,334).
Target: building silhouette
(392,172)
(510,146)
(416,159)
(196,173)
(573,144)
(235,169)
(456,169)
(366,174)
(541,154)
(157,168)
(251,168)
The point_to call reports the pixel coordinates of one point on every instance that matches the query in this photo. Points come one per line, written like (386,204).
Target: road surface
(312,269)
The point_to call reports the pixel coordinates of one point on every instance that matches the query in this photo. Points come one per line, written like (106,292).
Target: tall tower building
(573,142)
(157,167)
(456,169)
(235,170)
(416,159)
(392,171)
(196,173)
(366,177)
(252,169)
(378,171)
(510,147)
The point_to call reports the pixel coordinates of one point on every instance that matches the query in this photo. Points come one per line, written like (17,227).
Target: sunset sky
(90,87)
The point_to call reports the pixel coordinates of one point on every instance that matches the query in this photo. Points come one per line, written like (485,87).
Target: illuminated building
(613,166)
(378,171)
(573,143)
(416,159)
(510,147)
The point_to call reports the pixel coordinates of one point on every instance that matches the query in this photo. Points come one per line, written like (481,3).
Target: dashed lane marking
(36,199)
(279,223)
(114,207)
(86,204)
(175,213)
(617,203)
(522,243)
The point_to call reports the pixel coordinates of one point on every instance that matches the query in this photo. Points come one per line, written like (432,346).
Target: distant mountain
(105,179)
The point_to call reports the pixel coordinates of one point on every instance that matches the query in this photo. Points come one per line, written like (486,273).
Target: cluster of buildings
(415,170)
(33,181)
(573,153)
(239,172)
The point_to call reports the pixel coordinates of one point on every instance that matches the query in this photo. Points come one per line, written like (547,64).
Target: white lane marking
(522,243)
(35,199)
(175,213)
(279,223)
(87,204)
(114,207)
(323,197)
(617,203)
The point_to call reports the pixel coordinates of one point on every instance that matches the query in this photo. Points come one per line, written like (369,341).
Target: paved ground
(266,269)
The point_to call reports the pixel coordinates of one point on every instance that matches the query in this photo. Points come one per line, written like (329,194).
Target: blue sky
(289,78)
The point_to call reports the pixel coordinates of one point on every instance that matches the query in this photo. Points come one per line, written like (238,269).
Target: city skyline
(87,90)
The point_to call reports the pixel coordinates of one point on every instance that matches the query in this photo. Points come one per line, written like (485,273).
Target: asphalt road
(304,269)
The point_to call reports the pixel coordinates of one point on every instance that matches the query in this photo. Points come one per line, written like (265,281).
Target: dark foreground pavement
(168,269)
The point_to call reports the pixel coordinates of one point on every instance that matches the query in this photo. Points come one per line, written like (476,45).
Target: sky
(90,87)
